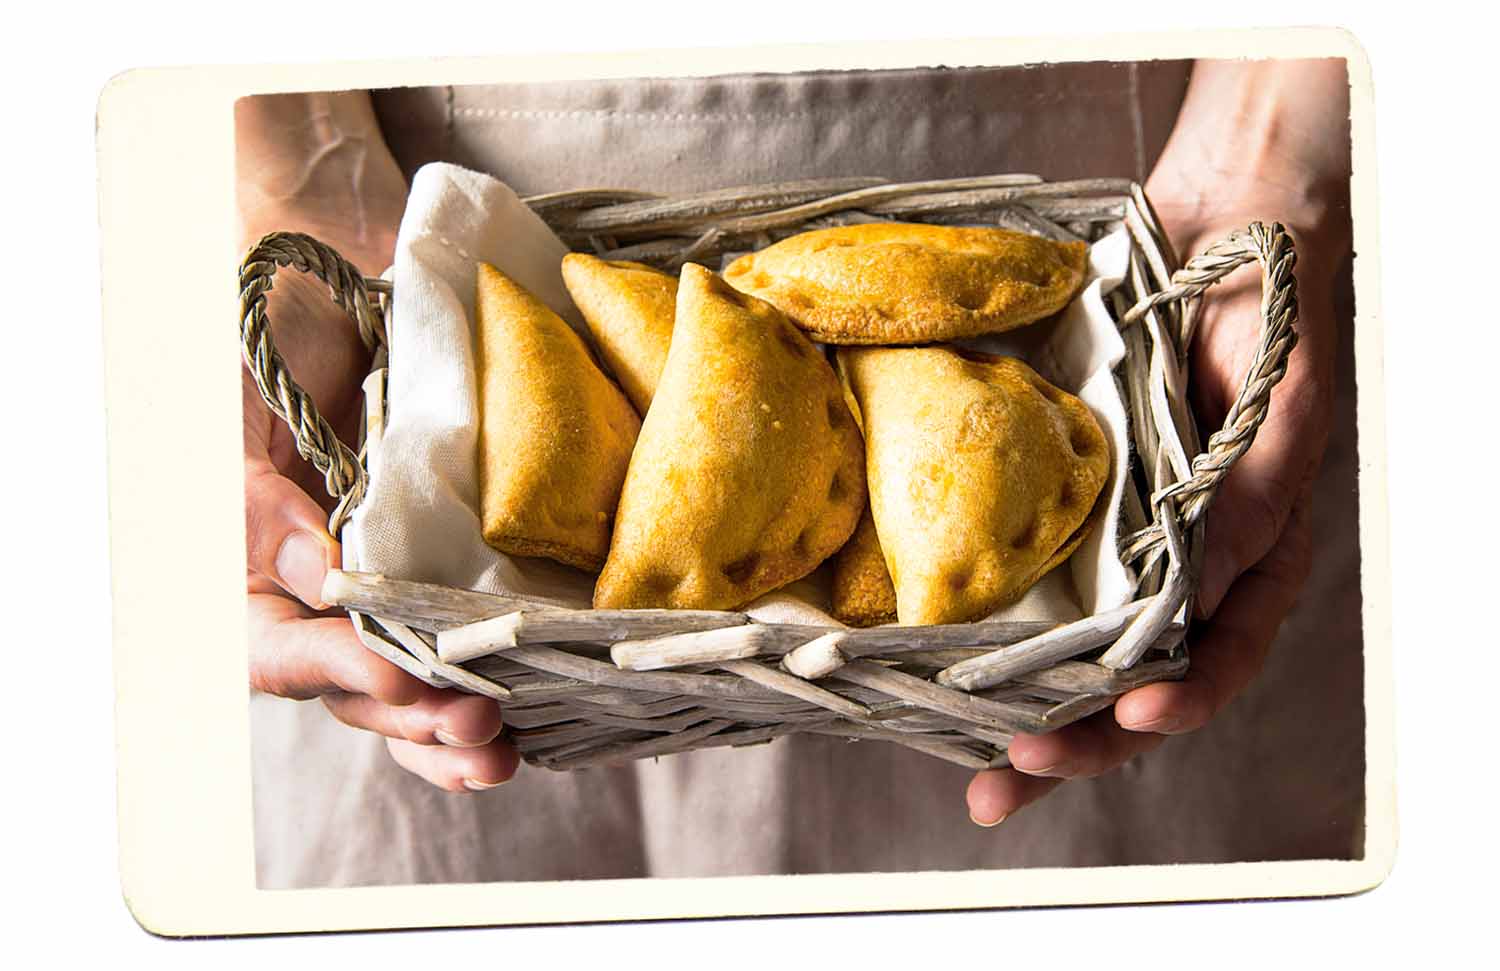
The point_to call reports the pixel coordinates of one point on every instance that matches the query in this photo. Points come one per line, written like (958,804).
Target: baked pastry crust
(982,475)
(555,434)
(629,309)
(749,471)
(912,283)
(863,595)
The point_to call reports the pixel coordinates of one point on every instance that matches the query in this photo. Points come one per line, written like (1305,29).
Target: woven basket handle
(1272,246)
(343,473)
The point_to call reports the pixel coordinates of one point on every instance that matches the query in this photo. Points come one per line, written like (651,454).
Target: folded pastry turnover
(911,283)
(629,309)
(749,471)
(862,592)
(982,475)
(555,434)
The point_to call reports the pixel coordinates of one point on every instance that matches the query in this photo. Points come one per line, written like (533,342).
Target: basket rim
(453,637)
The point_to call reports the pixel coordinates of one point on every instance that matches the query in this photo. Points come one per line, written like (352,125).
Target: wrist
(371,249)
(1259,141)
(1195,218)
(317,163)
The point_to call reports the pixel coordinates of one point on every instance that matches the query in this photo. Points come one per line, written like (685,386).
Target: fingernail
(477,786)
(1164,725)
(302,563)
(1055,769)
(979,822)
(453,740)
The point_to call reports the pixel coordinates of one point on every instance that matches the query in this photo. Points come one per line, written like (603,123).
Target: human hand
(1255,142)
(317,164)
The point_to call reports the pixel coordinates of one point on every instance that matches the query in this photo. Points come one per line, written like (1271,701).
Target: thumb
(1244,523)
(286,534)
(1256,498)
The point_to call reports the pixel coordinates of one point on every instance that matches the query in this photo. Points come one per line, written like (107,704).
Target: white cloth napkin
(420,517)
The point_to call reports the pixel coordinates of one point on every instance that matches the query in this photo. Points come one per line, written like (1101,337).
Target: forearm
(318,163)
(1260,139)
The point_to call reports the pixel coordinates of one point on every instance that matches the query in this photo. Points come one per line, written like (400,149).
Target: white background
(1434,71)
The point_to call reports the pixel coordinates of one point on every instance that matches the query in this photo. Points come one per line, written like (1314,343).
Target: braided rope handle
(1272,246)
(317,442)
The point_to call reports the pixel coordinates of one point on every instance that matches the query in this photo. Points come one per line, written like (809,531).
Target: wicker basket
(582,688)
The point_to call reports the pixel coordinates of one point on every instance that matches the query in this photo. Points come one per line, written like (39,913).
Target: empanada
(911,283)
(629,309)
(749,471)
(982,475)
(862,592)
(555,434)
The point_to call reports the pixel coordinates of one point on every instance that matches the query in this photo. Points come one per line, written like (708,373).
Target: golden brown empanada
(749,471)
(982,475)
(555,434)
(629,309)
(911,283)
(862,592)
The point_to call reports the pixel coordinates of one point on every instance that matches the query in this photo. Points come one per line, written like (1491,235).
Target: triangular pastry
(629,309)
(982,475)
(911,283)
(749,471)
(862,592)
(555,434)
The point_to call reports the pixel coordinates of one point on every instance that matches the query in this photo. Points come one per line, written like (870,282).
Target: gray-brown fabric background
(1279,775)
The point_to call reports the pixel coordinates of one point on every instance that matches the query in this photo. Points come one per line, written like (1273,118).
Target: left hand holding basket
(1254,141)
(318,164)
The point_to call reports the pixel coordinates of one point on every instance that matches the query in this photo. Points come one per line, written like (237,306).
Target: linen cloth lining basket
(581,688)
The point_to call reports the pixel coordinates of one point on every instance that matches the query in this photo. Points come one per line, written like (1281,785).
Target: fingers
(286,534)
(437,718)
(457,769)
(1041,762)
(1231,651)
(1233,646)
(296,654)
(1081,750)
(449,739)
(995,794)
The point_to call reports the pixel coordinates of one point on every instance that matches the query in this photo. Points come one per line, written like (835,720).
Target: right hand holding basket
(1253,141)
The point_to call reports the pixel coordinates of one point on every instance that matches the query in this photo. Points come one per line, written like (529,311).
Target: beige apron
(1279,775)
